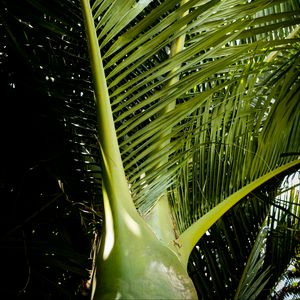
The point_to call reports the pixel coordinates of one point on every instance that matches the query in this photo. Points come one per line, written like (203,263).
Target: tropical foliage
(197,126)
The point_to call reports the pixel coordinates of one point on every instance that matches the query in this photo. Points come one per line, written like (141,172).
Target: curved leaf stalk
(189,238)
(131,263)
(114,176)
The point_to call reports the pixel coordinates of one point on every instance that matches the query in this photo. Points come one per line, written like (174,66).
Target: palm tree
(197,107)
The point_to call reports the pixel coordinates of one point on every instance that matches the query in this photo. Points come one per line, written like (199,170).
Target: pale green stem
(160,219)
(114,177)
(189,238)
(176,47)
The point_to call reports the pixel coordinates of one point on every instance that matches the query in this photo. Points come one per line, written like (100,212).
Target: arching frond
(220,67)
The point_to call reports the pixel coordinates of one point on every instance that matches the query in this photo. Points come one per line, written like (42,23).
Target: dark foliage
(45,186)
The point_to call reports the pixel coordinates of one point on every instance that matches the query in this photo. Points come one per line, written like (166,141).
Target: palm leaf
(138,100)
(257,155)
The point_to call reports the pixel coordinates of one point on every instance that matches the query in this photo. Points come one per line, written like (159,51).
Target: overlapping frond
(220,63)
(240,139)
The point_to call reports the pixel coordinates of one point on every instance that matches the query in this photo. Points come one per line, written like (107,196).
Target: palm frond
(138,69)
(240,146)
